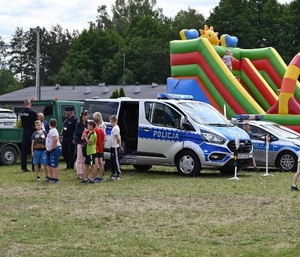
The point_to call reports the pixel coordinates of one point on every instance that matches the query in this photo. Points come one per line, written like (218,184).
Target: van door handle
(146,128)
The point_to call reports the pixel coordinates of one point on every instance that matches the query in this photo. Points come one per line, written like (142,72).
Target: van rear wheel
(188,163)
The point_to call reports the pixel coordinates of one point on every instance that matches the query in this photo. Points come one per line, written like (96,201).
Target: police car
(284,143)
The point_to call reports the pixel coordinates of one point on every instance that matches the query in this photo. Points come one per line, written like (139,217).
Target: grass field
(155,213)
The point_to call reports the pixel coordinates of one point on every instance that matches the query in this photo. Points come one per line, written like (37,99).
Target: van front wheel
(188,163)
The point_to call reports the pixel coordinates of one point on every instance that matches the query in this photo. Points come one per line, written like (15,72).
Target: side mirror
(234,121)
(182,122)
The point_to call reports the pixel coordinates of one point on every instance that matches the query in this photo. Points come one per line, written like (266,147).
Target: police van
(174,130)
(8,118)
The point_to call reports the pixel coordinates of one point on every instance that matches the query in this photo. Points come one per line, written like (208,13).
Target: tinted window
(105,108)
(162,115)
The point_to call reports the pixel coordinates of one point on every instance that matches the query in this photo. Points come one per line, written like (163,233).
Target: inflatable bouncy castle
(259,83)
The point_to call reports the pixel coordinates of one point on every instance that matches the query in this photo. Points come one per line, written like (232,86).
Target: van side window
(106,108)
(162,115)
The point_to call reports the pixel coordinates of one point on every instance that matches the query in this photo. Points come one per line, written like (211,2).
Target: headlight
(213,138)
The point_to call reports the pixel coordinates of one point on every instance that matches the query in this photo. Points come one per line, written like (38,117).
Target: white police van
(189,134)
(8,118)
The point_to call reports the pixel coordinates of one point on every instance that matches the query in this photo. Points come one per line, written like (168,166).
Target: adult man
(45,124)
(68,148)
(28,117)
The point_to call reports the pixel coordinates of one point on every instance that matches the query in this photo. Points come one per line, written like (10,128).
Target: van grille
(245,146)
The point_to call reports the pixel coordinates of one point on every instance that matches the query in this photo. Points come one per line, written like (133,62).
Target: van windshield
(204,113)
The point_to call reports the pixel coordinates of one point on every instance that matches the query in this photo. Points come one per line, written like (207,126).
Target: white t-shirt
(115,131)
(103,126)
(52,133)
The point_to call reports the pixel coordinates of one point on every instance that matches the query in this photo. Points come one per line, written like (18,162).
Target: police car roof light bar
(174,96)
(248,117)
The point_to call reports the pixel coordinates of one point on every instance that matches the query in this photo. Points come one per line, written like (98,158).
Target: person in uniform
(68,148)
(28,118)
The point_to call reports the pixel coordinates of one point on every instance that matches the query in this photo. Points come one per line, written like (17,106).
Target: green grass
(155,213)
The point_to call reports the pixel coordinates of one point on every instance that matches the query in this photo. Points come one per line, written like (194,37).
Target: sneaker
(100,179)
(38,178)
(112,177)
(85,180)
(48,179)
(118,178)
(91,181)
(55,181)
(294,188)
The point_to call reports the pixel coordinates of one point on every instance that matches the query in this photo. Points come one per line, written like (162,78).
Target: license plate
(243,156)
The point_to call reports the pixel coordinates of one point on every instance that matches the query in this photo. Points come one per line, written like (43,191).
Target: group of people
(87,137)
(42,138)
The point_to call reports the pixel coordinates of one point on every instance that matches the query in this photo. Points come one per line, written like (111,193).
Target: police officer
(68,148)
(28,117)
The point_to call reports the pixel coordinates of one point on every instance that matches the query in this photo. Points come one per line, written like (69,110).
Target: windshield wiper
(218,124)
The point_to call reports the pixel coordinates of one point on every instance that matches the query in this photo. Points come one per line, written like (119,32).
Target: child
(99,145)
(38,148)
(53,147)
(90,139)
(115,145)
(227,59)
(81,125)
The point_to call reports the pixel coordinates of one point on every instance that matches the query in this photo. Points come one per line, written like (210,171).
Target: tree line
(132,43)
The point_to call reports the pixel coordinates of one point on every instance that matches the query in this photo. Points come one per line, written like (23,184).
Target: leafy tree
(3,54)
(54,46)
(289,32)
(148,55)
(17,54)
(232,17)
(8,82)
(103,20)
(266,18)
(92,50)
(115,94)
(187,19)
(122,92)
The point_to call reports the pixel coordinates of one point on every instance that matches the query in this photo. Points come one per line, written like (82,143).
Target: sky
(75,14)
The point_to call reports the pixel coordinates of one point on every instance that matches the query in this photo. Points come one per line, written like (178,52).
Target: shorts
(39,157)
(99,155)
(53,159)
(90,159)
